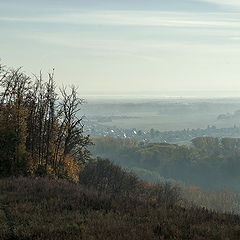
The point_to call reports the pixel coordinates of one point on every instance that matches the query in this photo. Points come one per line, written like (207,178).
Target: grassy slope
(47,209)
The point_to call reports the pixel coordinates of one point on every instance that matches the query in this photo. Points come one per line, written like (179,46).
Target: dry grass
(47,209)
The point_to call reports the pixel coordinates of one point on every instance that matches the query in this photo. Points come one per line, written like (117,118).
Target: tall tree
(40,126)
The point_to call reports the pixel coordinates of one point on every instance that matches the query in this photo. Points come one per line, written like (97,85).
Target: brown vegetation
(100,209)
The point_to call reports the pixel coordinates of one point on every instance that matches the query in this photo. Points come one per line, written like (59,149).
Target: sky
(125,46)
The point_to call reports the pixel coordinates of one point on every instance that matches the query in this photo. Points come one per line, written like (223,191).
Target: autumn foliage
(41,131)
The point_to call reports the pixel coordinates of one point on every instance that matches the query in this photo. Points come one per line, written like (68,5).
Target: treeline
(211,163)
(40,129)
(109,203)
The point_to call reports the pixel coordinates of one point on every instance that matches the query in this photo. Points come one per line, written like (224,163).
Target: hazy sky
(126,45)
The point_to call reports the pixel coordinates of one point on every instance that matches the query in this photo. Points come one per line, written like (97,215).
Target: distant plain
(164,114)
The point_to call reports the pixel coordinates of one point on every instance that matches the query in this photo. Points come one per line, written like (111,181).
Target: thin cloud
(152,49)
(230,3)
(235,38)
(133,18)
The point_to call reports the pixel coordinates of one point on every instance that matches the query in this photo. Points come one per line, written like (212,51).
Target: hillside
(49,209)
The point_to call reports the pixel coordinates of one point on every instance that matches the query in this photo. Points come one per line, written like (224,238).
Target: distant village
(180,137)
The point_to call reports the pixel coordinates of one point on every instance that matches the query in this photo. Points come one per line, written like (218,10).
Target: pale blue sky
(127,45)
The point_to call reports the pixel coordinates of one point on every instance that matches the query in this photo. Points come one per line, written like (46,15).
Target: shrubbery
(114,181)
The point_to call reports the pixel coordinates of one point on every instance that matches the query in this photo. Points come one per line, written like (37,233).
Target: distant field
(165,122)
(165,115)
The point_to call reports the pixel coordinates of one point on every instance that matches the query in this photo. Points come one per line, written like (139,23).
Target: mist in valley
(183,140)
(166,114)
